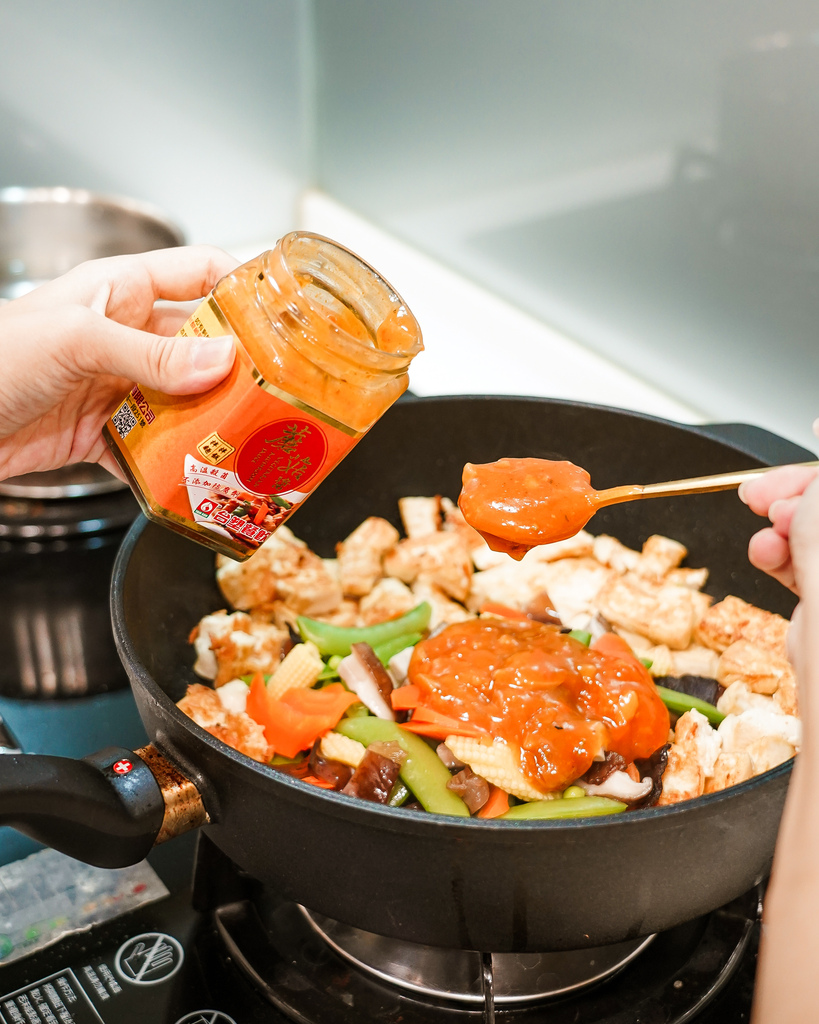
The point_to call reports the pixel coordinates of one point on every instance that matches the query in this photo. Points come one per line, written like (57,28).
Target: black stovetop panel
(170,964)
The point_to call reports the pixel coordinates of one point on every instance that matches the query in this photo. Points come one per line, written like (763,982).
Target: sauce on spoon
(517,504)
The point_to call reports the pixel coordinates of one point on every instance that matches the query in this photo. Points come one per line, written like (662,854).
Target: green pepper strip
(681,702)
(337,639)
(579,807)
(583,635)
(389,649)
(423,771)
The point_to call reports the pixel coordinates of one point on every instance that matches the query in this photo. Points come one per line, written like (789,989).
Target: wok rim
(397,818)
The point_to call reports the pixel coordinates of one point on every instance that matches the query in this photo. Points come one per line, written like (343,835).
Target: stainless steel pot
(45,232)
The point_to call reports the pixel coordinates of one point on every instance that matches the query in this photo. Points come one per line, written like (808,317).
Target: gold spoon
(542,502)
(693,485)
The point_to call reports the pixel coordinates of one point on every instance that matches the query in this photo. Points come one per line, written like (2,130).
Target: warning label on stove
(59,999)
(149,959)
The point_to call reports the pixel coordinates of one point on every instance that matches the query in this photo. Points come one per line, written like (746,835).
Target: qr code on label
(124,420)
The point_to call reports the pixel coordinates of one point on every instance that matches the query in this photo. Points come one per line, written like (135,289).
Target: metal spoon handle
(693,485)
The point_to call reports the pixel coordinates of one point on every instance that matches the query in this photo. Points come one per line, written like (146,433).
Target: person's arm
(72,348)
(789,550)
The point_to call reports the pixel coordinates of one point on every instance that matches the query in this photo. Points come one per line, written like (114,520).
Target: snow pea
(400,794)
(332,639)
(682,702)
(583,636)
(579,807)
(423,771)
(389,649)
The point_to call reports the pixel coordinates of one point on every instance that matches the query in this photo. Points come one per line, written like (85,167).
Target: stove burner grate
(462,975)
(673,980)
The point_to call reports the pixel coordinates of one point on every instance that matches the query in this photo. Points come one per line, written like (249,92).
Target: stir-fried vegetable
(497,805)
(436,725)
(405,698)
(375,777)
(364,674)
(387,651)
(399,795)
(583,636)
(423,771)
(332,639)
(579,807)
(682,702)
(614,645)
(299,717)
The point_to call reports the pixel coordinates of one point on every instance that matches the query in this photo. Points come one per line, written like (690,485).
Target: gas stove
(220,949)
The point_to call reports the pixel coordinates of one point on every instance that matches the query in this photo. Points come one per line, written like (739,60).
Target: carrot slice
(502,611)
(434,732)
(331,700)
(424,714)
(405,698)
(426,722)
(615,646)
(294,722)
(497,804)
(321,783)
(258,703)
(258,519)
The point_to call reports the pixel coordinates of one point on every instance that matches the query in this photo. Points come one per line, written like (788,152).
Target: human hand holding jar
(70,348)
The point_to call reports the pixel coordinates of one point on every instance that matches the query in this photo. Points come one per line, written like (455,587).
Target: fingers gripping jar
(323,346)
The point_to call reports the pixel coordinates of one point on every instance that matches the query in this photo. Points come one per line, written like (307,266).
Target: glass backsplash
(197,107)
(641,174)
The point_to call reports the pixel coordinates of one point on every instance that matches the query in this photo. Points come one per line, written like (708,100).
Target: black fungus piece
(471,788)
(328,770)
(701,687)
(449,759)
(373,779)
(600,770)
(653,768)
(541,608)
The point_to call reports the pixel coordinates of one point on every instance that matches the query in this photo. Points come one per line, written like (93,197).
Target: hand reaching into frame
(777,495)
(70,349)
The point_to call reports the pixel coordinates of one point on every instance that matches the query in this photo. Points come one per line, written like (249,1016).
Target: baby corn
(497,763)
(337,747)
(299,669)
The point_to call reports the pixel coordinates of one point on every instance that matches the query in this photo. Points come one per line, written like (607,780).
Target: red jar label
(285,455)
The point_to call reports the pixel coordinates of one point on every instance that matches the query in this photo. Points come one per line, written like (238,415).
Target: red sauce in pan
(545,692)
(516,504)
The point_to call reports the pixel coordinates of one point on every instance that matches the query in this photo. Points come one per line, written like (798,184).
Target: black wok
(493,886)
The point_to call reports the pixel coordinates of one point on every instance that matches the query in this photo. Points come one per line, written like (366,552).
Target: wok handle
(107,809)
(757,442)
(184,808)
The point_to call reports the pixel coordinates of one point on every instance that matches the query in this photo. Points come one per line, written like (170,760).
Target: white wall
(198,107)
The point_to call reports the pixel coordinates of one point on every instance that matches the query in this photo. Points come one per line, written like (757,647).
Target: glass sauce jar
(323,346)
